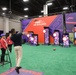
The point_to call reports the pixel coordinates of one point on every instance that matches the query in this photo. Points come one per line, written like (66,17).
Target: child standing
(0,42)
(9,42)
(3,47)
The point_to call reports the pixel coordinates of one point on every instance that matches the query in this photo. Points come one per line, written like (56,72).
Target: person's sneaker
(19,67)
(17,70)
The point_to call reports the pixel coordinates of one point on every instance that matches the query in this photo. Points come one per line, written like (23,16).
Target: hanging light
(26,16)
(25,0)
(4,8)
(65,8)
(26,9)
(49,4)
(42,11)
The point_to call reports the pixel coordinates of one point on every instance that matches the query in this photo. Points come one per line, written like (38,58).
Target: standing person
(17,40)
(3,47)
(0,42)
(0,46)
(9,42)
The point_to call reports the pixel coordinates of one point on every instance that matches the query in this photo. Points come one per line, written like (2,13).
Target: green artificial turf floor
(42,58)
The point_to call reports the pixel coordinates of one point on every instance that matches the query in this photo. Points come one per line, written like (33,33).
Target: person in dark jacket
(17,41)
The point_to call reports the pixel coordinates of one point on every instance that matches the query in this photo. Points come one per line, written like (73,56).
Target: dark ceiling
(35,6)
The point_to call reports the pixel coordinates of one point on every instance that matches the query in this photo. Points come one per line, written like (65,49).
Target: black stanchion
(7,59)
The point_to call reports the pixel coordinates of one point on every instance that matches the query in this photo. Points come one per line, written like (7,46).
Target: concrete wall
(15,24)
(11,24)
(1,23)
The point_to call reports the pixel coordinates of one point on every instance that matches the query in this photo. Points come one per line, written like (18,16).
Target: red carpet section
(22,72)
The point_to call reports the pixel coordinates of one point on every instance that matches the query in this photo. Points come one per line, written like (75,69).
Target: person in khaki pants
(17,40)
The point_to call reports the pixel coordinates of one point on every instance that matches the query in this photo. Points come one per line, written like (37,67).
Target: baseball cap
(3,34)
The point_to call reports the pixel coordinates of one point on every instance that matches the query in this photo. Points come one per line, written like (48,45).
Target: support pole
(64,23)
(45,8)
(6,24)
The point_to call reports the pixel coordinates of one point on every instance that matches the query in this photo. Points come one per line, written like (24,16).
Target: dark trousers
(10,47)
(3,54)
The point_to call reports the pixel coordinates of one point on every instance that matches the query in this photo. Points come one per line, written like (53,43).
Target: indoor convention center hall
(37,37)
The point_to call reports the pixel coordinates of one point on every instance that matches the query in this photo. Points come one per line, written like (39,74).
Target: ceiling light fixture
(48,4)
(65,8)
(25,0)
(40,15)
(26,16)
(3,13)
(26,9)
(42,11)
(4,8)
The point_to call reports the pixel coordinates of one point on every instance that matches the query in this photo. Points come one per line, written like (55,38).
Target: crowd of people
(6,44)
